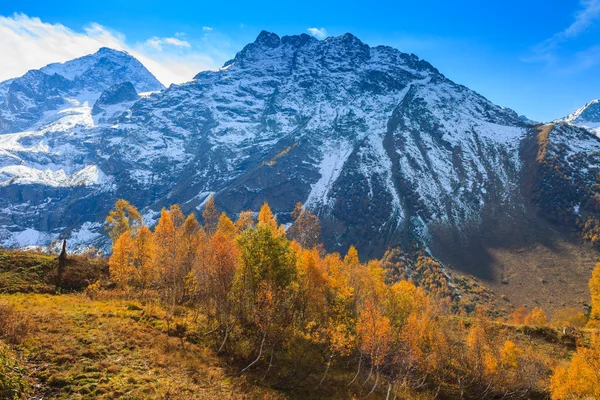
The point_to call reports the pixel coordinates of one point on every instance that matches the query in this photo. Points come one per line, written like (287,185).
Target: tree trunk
(259,354)
(357,372)
(326,370)
(375,385)
(224,339)
(368,377)
(270,364)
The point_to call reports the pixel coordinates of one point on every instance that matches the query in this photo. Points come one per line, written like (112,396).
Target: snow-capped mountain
(33,100)
(587,117)
(377,142)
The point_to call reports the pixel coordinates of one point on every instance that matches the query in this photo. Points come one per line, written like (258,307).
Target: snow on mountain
(26,101)
(587,117)
(377,142)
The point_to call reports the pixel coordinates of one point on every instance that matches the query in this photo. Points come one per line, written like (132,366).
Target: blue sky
(540,58)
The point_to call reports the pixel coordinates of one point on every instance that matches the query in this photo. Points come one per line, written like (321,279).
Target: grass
(35,272)
(103,345)
(108,349)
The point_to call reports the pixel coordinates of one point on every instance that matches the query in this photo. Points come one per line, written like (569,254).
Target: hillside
(239,310)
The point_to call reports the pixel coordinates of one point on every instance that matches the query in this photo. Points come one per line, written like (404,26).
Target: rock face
(378,143)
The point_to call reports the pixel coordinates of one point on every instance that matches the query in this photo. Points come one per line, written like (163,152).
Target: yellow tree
(121,262)
(594,321)
(266,218)
(375,335)
(145,268)
(189,237)
(210,216)
(580,379)
(226,226)
(165,241)
(177,215)
(125,217)
(537,317)
(518,316)
(245,221)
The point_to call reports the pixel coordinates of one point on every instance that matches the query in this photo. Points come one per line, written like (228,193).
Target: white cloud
(547,50)
(29,43)
(157,43)
(207,28)
(584,18)
(318,33)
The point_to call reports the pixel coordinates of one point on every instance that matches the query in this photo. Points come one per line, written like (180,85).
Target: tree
(121,265)
(189,236)
(518,316)
(145,273)
(537,317)
(177,215)
(210,216)
(222,265)
(595,293)
(265,256)
(226,226)
(245,221)
(306,228)
(125,217)
(579,379)
(166,260)
(266,218)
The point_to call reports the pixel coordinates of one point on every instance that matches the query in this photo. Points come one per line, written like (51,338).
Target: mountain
(381,145)
(377,142)
(587,117)
(30,101)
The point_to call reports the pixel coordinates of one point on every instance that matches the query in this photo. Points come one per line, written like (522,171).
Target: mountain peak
(109,50)
(590,112)
(268,39)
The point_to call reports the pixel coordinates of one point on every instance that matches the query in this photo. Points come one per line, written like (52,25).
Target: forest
(292,319)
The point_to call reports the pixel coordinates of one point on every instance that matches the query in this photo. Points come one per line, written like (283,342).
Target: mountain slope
(378,143)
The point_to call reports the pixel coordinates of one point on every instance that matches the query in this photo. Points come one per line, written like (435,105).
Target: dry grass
(14,326)
(105,350)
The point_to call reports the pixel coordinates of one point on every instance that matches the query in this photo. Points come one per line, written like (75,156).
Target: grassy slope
(109,348)
(80,348)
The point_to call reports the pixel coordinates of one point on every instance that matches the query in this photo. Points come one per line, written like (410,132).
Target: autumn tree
(595,293)
(145,272)
(189,238)
(166,243)
(121,264)
(537,317)
(375,333)
(579,379)
(245,221)
(518,316)
(125,217)
(210,216)
(226,226)
(306,228)
(215,270)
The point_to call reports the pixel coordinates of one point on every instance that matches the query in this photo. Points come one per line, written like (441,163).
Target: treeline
(289,312)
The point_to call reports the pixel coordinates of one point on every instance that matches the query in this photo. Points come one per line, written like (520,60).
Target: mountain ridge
(385,149)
